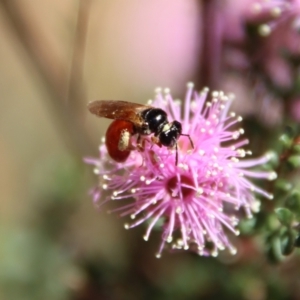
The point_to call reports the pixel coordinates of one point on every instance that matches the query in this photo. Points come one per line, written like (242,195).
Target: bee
(133,118)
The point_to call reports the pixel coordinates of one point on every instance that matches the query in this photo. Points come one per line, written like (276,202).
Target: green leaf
(284,215)
(293,202)
(283,185)
(297,241)
(287,241)
(287,137)
(296,148)
(294,161)
(274,248)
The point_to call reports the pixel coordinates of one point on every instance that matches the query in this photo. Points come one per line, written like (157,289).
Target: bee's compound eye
(117,139)
(170,134)
(176,127)
(167,138)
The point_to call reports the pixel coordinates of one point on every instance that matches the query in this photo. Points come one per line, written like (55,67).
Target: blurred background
(55,56)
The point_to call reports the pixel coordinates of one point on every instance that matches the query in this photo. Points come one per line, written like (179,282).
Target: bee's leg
(176,154)
(191,141)
(139,143)
(156,141)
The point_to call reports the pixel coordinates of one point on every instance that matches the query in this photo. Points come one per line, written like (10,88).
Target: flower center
(180,187)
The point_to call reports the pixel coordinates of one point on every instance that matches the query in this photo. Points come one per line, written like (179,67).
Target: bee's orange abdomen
(117,139)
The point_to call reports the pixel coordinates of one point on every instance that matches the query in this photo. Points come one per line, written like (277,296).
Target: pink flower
(193,203)
(278,23)
(273,37)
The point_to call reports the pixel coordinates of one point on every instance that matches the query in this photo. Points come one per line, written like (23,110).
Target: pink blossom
(295,109)
(279,23)
(274,37)
(193,203)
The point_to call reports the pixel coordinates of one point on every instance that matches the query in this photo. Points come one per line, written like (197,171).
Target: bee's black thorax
(155,119)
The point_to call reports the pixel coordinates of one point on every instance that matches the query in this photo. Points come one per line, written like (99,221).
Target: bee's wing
(118,110)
